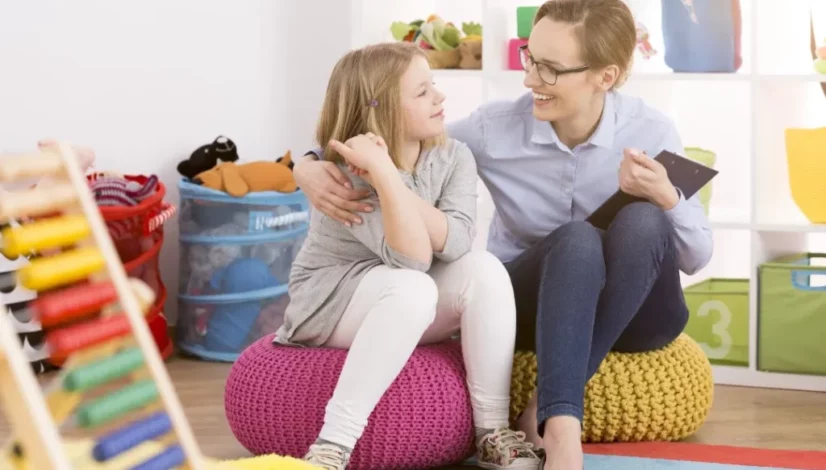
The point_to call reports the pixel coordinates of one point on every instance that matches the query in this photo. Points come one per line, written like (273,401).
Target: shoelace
(512,443)
(328,456)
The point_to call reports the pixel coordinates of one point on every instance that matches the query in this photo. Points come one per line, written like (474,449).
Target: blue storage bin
(235,260)
(709,45)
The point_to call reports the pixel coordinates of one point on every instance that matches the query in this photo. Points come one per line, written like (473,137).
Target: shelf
(787,50)
(371,19)
(782,106)
(741,117)
(722,218)
(458,73)
(648,76)
(744,377)
(731,258)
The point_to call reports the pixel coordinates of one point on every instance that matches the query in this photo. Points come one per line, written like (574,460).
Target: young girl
(405,275)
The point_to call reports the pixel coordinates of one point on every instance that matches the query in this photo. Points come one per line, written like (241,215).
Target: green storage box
(792,315)
(524,21)
(707,158)
(719,319)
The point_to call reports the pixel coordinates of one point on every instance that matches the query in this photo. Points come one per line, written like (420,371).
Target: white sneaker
(328,456)
(506,449)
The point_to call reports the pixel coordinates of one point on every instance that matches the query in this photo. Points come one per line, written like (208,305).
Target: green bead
(103,371)
(117,404)
(524,21)
(820,66)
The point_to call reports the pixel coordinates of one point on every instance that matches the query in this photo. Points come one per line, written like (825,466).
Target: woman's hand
(646,178)
(329,191)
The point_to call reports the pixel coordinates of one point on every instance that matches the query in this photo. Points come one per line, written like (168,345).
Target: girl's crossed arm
(451,224)
(395,231)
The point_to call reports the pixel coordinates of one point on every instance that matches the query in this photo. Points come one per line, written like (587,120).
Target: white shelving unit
(741,116)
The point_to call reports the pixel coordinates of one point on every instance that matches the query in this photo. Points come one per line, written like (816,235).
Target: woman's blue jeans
(582,292)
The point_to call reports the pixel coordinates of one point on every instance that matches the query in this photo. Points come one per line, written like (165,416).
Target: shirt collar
(603,136)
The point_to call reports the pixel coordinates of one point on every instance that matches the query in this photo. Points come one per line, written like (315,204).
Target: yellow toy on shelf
(114,388)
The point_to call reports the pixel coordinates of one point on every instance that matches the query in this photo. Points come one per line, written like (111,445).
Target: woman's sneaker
(505,448)
(328,456)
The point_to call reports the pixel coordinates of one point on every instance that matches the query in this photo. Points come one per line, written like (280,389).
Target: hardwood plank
(749,417)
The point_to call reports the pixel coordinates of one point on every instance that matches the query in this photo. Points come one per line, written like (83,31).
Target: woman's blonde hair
(363,95)
(605,29)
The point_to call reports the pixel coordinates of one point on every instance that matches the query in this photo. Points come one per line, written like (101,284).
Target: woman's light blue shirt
(538,184)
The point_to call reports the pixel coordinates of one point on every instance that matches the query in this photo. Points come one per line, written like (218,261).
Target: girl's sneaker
(328,456)
(505,448)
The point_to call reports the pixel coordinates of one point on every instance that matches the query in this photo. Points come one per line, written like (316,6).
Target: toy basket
(719,319)
(235,259)
(792,315)
(707,158)
(702,36)
(137,233)
(807,170)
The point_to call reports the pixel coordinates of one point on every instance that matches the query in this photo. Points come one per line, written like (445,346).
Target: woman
(549,159)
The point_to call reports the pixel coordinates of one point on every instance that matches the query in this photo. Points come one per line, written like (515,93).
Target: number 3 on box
(719,329)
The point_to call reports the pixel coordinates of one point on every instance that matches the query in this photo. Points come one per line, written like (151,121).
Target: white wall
(146,82)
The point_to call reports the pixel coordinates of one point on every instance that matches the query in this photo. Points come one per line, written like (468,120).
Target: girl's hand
(646,178)
(365,155)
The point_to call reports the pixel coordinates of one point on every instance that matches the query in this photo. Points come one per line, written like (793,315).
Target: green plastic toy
(524,21)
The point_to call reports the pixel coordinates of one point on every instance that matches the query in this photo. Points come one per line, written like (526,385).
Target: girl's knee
(415,293)
(485,270)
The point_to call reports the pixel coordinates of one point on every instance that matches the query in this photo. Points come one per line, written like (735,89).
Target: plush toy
(239,180)
(206,157)
(470,47)
(644,42)
(230,324)
(820,58)
(439,39)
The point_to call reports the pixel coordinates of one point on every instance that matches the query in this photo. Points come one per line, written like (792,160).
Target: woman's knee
(415,293)
(641,221)
(576,242)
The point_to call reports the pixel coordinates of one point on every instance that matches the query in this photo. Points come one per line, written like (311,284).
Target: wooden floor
(740,416)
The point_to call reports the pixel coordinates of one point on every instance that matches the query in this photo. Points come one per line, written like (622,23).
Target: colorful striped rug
(690,456)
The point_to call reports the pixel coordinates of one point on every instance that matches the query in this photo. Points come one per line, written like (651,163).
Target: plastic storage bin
(792,315)
(138,235)
(707,158)
(719,319)
(235,259)
(702,36)
(807,170)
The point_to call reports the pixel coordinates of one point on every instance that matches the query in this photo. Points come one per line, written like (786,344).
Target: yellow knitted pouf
(662,395)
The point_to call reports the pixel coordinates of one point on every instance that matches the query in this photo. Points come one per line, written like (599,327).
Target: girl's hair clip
(374,103)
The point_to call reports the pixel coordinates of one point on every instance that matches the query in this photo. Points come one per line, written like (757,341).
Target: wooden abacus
(92,315)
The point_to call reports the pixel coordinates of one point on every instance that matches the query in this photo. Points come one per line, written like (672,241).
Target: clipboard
(686,175)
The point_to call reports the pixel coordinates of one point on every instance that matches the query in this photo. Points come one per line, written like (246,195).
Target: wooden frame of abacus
(98,288)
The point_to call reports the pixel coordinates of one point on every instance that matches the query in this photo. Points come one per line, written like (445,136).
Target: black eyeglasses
(547,73)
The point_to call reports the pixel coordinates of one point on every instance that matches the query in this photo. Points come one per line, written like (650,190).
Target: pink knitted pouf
(275,398)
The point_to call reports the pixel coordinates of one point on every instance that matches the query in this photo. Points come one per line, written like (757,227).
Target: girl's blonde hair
(606,31)
(363,95)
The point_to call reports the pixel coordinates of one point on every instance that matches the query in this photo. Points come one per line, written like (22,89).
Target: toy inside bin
(137,233)
(235,259)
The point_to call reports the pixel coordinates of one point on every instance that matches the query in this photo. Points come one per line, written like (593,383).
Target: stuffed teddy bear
(470,47)
(206,157)
(239,180)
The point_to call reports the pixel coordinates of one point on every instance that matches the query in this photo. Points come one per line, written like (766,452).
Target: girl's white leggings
(394,310)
